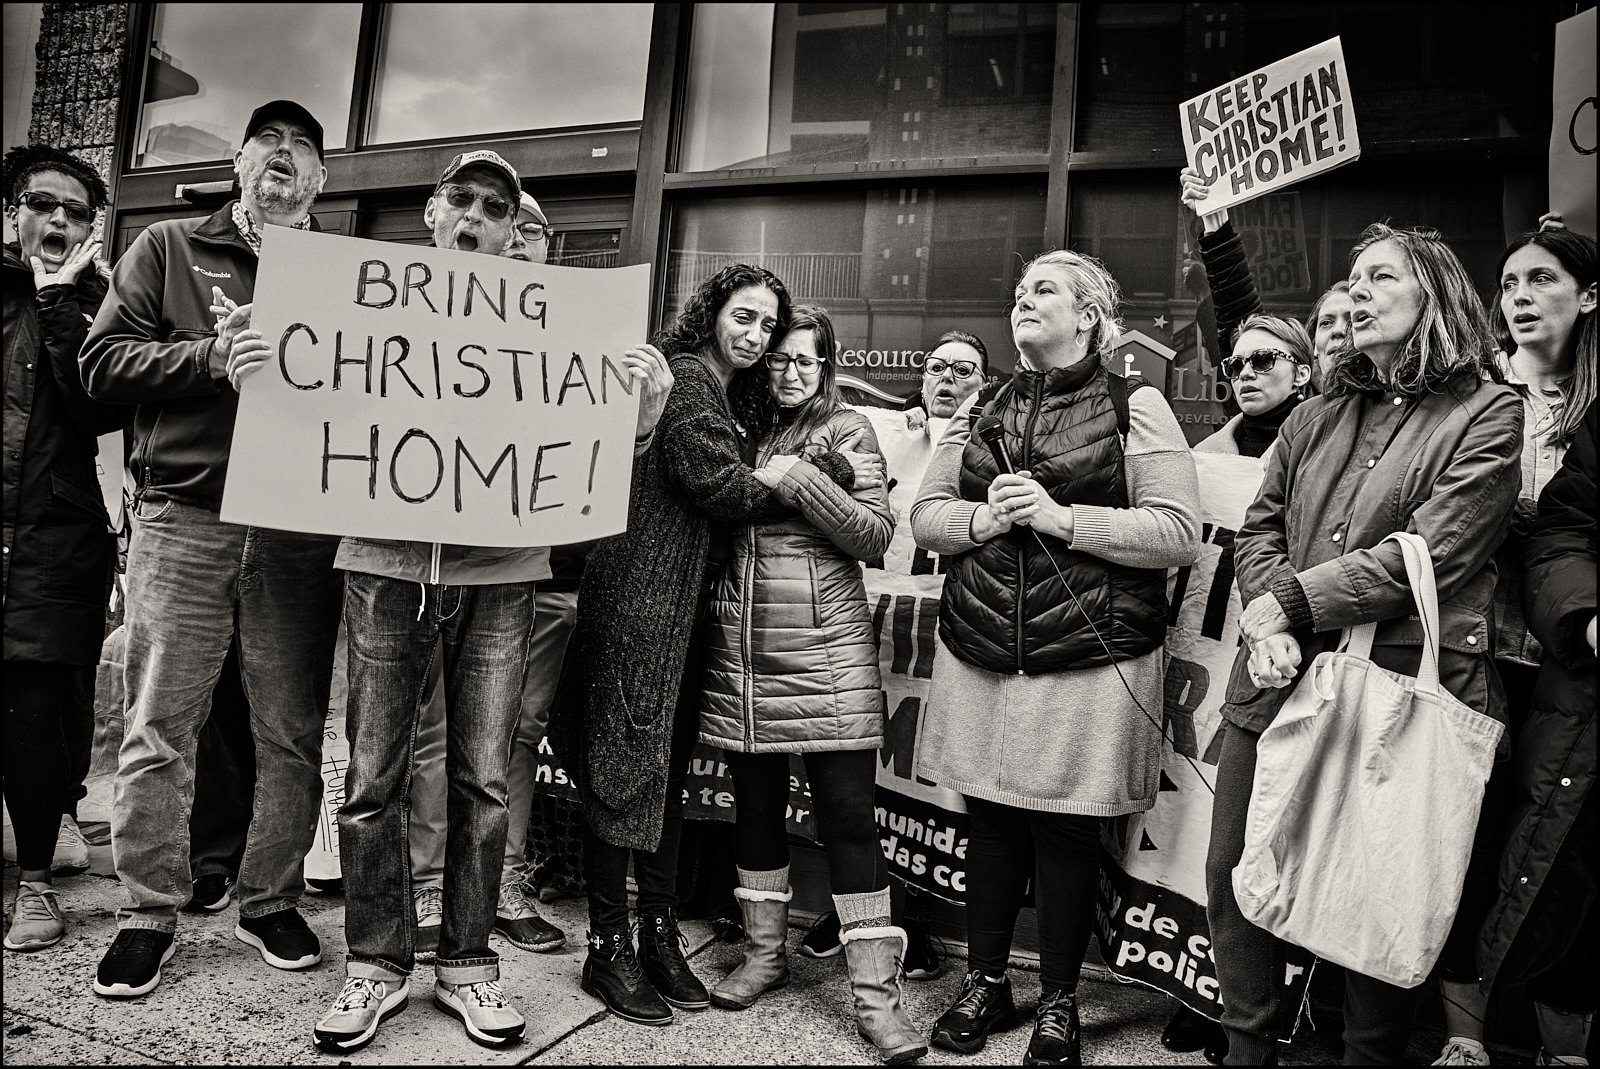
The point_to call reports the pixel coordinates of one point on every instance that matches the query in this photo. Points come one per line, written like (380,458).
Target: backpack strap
(1119,388)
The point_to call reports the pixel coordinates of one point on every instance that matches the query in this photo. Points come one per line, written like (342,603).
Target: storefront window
(465,70)
(207,71)
(1416,70)
(895,267)
(783,84)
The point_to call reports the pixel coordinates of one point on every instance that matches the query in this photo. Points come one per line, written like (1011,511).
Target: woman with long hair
(792,667)
(1410,435)
(1045,707)
(629,709)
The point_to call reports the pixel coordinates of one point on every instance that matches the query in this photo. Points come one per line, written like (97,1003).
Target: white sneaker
(72,851)
(482,1007)
(429,903)
(1460,1051)
(36,918)
(361,1007)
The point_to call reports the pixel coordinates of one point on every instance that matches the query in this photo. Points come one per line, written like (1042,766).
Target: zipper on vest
(1022,545)
(747,586)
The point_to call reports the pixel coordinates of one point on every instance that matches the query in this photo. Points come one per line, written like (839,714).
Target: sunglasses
(495,206)
(781,361)
(45,204)
(1260,361)
(963,369)
(533,231)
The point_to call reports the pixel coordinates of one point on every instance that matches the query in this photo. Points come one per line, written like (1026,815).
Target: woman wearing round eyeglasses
(1270,364)
(792,667)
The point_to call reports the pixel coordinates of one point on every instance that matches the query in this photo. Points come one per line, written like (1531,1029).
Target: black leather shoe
(661,947)
(1055,1031)
(981,1008)
(611,974)
(1188,1031)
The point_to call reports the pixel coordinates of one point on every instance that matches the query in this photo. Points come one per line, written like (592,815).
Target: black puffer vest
(1004,607)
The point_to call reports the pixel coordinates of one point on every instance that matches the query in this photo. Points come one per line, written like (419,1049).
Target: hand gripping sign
(438,396)
(1284,123)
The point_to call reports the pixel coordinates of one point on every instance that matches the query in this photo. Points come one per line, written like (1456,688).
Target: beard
(272,197)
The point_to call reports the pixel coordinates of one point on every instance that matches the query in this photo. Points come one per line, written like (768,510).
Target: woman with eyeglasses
(628,711)
(792,667)
(1045,710)
(1271,361)
(954,370)
(1412,434)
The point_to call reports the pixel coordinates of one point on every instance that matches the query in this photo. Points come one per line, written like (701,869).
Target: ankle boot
(873,956)
(611,974)
(766,958)
(661,947)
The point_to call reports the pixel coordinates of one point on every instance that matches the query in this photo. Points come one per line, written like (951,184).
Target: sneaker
(430,918)
(983,1006)
(482,1008)
(924,960)
(1459,1050)
(284,939)
(1055,1031)
(72,850)
(518,920)
(361,1007)
(315,886)
(212,893)
(132,966)
(36,918)
(822,941)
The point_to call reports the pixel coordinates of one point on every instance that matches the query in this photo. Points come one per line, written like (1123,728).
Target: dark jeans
(842,787)
(1061,853)
(605,866)
(224,779)
(44,769)
(1250,961)
(485,631)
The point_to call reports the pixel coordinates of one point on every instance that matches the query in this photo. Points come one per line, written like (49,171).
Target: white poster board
(1282,124)
(1572,123)
(437,396)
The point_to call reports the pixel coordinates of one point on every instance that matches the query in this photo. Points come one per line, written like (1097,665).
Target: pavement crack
(90,1036)
(563,1037)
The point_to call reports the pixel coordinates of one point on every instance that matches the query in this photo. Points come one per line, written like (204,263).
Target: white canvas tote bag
(1365,801)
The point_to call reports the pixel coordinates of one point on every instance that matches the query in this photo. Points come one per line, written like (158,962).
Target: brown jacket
(1346,472)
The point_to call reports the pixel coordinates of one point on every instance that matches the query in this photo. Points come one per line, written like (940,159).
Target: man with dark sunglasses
(170,339)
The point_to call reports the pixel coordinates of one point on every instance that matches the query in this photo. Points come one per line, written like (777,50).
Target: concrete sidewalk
(218,1003)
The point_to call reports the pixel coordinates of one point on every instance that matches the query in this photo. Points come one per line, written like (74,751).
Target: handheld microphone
(992,433)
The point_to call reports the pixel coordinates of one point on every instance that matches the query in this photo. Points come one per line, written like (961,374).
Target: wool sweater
(1082,741)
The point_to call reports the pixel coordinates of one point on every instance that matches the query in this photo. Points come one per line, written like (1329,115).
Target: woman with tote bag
(1411,436)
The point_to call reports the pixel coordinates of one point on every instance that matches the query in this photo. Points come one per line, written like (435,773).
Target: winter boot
(873,956)
(766,959)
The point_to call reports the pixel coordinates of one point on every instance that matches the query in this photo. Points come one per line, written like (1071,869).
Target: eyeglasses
(962,369)
(533,231)
(45,204)
(495,206)
(1261,362)
(806,365)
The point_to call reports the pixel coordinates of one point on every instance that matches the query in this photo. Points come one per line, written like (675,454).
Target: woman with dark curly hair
(629,709)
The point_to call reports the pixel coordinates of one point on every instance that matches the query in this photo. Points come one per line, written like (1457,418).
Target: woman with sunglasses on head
(1411,435)
(628,710)
(1234,293)
(792,667)
(1045,711)
(1544,322)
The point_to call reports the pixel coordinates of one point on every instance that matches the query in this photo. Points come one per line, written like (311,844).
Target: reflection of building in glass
(175,142)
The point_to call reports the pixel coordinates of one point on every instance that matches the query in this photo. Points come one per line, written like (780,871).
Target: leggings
(1061,853)
(47,750)
(842,788)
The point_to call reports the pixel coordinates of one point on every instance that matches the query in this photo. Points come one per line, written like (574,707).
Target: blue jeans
(485,631)
(193,581)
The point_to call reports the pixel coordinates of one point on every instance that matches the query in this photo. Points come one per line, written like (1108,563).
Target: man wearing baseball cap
(530,238)
(194,582)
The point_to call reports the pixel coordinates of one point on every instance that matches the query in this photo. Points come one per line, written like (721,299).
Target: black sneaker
(211,894)
(982,1007)
(661,947)
(611,974)
(924,960)
(1055,1031)
(132,966)
(822,941)
(284,939)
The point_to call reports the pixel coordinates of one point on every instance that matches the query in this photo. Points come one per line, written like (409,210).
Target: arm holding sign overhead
(1233,287)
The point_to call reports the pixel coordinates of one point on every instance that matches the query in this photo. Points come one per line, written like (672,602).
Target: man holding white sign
(194,581)
(400,599)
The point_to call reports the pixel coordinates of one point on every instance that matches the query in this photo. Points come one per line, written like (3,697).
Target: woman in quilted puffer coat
(792,667)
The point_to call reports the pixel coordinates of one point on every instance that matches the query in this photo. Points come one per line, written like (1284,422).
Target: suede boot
(766,956)
(873,956)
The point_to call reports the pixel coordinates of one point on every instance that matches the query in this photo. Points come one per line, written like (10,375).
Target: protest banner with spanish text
(437,396)
(1274,127)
